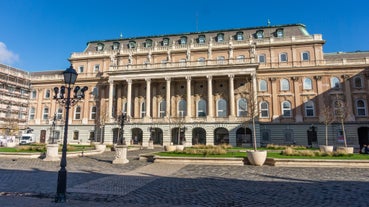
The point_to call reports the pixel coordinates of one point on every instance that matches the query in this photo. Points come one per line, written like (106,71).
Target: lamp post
(70,77)
(122,118)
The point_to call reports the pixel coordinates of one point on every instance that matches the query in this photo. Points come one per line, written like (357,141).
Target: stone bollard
(52,152)
(121,154)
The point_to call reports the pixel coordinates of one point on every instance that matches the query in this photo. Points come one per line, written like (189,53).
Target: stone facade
(205,88)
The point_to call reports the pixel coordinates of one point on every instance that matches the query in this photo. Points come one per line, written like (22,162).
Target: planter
(326,148)
(256,157)
(11,144)
(348,150)
(52,152)
(170,148)
(100,147)
(180,147)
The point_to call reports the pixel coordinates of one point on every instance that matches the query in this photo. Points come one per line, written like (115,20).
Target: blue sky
(39,35)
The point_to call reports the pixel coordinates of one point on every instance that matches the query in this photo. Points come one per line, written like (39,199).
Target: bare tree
(327,118)
(341,114)
(178,122)
(101,122)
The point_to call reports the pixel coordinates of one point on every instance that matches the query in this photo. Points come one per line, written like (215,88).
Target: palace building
(211,87)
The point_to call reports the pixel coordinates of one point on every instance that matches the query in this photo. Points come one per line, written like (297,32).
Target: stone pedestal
(121,154)
(100,147)
(52,152)
(151,145)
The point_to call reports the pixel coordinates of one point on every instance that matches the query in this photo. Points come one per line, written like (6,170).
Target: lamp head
(70,75)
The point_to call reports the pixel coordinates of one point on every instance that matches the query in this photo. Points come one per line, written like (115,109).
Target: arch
(309,109)
(156,134)
(243,137)
(264,109)
(221,136)
(360,107)
(335,83)
(198,136)
(286,109)
(358,82)
(178,135)
(221,108)
(136,136)
(182,108)
(307,84)
(201,108)
(285,84)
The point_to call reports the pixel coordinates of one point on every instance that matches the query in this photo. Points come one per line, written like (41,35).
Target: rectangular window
(92,135)
(75,135)
(80,69)
(32,113)
(93,112)
(262,59)
(305,56)
(45,115)
(97,68)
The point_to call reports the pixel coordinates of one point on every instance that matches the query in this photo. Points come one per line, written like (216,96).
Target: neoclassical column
(111,90)
(148,97)
(255,93)
(231,95)
(167,110)
(210,96)
(189,108)
(129,97)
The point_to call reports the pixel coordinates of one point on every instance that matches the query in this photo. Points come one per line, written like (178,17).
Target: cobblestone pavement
(94,181)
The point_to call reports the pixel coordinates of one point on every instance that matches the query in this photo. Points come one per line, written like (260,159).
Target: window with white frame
(116,45)
(285,85)
(221,108)
(201,61)
(202,39)
(286,109)
(201,108)
(307,84)
(100,47)
(264,109)
(358,83)
(182,108)
(280,33)
(59,114)
(131,44)
(220,60)
(165,42)
(242,107)
(263,85)
(148,43)
(32,111)
(220,37)
(283,57)
(77,113)
(305,56)
(80,69)
(45,113)
(335,83)
(309,109)
(360,107)
(183,40)
(47,94)
(93,113)
(239,36)
(96,68)
(143,110)
(162,108)
(240,59)
(260,34)
(262,58)
(33,94)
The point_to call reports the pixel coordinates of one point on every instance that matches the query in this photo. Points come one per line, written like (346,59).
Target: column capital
(209,77)
(295,78)
(111,81)
(231,76)
(168,78)
(188,78)
(318,77)
(129,81)
(148,79)
(273,79)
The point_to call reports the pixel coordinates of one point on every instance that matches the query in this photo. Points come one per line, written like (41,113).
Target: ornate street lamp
(70,77)
(122,119)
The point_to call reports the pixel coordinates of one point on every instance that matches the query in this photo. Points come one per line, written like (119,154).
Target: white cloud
(7,56)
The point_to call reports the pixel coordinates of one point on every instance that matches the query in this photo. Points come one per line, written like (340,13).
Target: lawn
(42,148)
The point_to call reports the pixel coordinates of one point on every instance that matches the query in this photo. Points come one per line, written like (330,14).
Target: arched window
(358,83)
(201,39)
(263,85)
(116,45)
(283,57)
(308,84)
(335,83)
(45,113)
(131,44)
(264,109)
(242,107)
(59,114)
(286,109)
(280,32)
(93,112)
(77,113)
(100,47)
(260,34)
(360,107)
(285,85)
(165,42)
(305,56)
(240,59)
(221,108)
(309,109)
(148,43)
(182,108)
(143,110)
(201,108)
(183,40)
(220,37)
(239,36)
(162,108)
